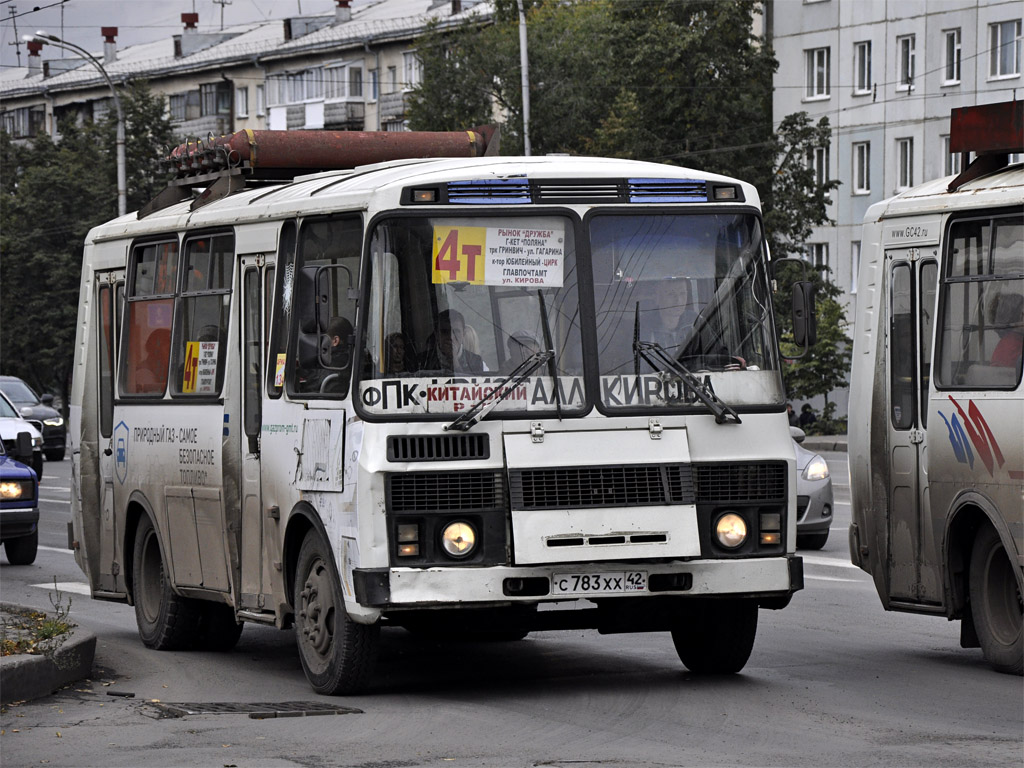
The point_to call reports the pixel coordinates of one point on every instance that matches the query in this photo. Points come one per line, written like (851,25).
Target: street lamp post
(122,185)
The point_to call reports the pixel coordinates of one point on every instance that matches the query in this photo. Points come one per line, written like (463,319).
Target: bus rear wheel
(337,654)
(717,637)
(218,629)
(996,604)
(166,621)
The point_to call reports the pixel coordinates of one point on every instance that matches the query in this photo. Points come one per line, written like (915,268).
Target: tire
(337,654)
(55,454)
(717,637)
(218,631)
(996,604)
(166,621)
(811,540)
(22,550)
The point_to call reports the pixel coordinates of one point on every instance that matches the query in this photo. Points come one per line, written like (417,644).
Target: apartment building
(887,73)
(350,70)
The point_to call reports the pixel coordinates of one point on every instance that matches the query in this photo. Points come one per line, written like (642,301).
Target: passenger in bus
(151,375)
(674,319)
(1008,319)
(399,354)
(520,347)
(335,377)
(446,350)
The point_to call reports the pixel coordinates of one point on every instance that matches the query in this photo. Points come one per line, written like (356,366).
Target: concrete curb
(826,443)
(27,676)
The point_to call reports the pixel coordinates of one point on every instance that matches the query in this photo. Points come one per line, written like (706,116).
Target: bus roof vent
(490,192)
(590,191)
(667,191)
(991,131)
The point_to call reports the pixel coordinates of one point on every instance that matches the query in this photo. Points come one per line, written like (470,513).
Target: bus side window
(147,334)
(928,276)
(901,354)
(106,359)
(202,324)
(277,355)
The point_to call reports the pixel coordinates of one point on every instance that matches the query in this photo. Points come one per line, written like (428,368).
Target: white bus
(936,405)
(446,394)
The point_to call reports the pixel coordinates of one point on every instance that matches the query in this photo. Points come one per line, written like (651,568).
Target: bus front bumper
(771,580)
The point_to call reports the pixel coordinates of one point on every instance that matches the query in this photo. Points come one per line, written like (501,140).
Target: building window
(24,122)
(261,100)
(412,68)
(951,160)
(242,102)
(854,265)
(355,82)
(215,99)
(862,68)
(862,168)
(1004,49)
(817,161)
(374,85)
(905,154)
(952,56)
(905,51)
(818,63)
(817,254)
(176,102)
(392,81)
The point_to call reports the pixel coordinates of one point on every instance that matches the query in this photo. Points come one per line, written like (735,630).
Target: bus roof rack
(224,165)
(991,131)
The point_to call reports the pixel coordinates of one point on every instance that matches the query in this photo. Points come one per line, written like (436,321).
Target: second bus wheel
(166,621)
(717,636)
(996,603)
(337,654)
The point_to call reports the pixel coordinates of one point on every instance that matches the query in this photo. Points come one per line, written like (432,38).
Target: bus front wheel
(166,621)
(996,604)
(337,654)
(717,636)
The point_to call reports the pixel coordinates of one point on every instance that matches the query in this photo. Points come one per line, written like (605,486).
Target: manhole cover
(256,711)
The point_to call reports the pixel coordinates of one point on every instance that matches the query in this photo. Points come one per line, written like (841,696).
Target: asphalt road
(833,681)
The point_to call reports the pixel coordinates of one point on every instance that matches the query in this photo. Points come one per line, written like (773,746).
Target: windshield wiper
(500,391)
(661,361)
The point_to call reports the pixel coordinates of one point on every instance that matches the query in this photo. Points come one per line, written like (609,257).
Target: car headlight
(816,469)
(15,489)
(731,530)
(56,421)
(458,539)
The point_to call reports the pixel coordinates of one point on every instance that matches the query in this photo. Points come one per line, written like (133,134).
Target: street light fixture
(43,37)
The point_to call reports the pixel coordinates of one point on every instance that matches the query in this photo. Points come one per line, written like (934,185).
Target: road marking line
(53,488)
(77,587)
(65,550)
(833,578)
(815,560)
(54,501)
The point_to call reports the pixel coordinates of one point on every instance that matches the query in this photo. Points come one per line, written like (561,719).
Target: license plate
(610,583)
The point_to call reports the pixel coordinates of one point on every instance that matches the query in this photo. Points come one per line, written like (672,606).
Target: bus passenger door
(255,579)
(111,442)
(911,307)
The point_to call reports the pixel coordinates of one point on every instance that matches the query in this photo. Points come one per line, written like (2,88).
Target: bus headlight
(458,539)
(731,530)
(816,469)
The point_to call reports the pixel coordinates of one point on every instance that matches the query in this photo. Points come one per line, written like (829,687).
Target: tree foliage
(51,195)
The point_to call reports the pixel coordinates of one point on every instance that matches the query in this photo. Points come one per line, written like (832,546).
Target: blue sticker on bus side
(227,424)
(121,451)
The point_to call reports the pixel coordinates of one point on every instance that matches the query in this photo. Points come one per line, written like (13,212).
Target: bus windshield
(694,285)
(457,304)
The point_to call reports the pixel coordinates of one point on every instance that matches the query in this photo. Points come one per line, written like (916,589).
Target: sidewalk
(25,676)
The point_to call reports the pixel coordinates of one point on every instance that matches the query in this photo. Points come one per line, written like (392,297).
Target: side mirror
(23,447)
(805,324)
(46,399)
(797,434)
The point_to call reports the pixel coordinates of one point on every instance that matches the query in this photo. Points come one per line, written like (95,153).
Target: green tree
(52,194)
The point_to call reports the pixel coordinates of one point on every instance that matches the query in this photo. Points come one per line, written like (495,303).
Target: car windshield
(694,286)
(456,305)
(18,391)
(7,411)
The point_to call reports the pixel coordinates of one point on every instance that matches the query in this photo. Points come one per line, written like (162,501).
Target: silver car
(814,496)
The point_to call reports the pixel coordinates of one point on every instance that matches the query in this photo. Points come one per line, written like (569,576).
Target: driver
(675,316)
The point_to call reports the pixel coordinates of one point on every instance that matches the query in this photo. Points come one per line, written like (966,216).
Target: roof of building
(374,21)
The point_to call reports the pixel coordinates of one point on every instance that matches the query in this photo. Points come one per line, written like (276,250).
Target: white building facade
(886,73)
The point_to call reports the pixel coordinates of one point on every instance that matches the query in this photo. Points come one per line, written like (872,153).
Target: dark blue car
(19,509)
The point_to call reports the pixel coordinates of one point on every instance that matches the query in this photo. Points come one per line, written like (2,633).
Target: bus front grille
(716,483)
(613,486)
(416,492)
(438,447)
